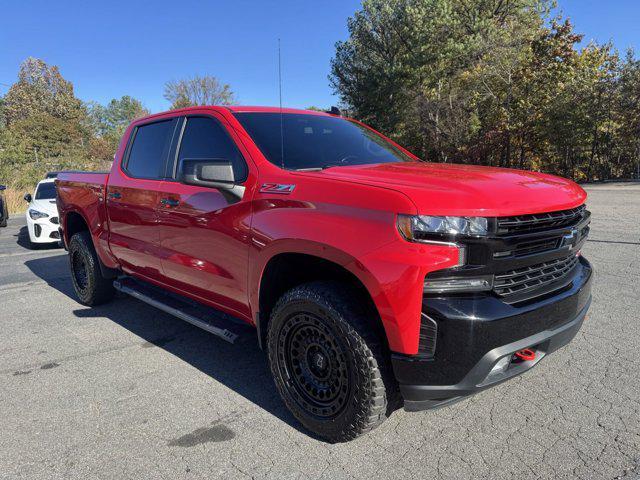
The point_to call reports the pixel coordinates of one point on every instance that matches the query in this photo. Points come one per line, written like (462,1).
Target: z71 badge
(277,188)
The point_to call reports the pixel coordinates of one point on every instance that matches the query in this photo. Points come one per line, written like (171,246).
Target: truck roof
(247,108)
(238,109)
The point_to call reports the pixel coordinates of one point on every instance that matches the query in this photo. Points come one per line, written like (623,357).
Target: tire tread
(101,289)
(365,345)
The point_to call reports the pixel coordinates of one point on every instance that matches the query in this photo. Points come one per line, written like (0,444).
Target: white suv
(42,214)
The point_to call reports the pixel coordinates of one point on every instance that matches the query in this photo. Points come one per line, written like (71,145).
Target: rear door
(204,231)
(132,198)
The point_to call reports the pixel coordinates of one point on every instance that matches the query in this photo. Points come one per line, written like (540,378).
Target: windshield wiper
(317,169)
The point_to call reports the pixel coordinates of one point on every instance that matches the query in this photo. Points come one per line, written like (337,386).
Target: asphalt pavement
(125,391)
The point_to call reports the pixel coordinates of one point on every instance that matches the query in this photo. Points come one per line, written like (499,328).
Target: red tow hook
(525,355)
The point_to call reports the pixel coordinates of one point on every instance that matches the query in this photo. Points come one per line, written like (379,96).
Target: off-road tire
(89,284)
(334,309)
(5,214)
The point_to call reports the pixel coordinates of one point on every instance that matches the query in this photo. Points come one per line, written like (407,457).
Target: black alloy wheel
(91,287)
(329,362)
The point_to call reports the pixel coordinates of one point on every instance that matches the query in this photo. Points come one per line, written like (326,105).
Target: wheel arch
(75,222)
(288,268)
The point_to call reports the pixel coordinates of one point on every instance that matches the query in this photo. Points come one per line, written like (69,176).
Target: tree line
(45,127)
(492,82)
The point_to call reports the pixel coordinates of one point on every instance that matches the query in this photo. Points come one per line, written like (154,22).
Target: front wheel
(328,362)
(90,286)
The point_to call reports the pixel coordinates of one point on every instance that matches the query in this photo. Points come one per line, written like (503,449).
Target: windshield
(317,141)
(46,191)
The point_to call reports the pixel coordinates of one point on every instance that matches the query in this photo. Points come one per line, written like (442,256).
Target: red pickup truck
(372,278)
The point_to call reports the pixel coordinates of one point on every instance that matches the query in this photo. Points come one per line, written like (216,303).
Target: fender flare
(106,272)
(324,252)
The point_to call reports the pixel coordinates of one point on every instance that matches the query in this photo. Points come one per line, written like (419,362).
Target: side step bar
(170,304)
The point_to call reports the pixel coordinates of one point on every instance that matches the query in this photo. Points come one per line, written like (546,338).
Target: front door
(132,198)
(204,231)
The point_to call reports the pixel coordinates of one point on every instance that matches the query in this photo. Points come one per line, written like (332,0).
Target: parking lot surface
(126,391)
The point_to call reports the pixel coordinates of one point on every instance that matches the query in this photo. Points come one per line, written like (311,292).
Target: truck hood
(45,206)
(449,189)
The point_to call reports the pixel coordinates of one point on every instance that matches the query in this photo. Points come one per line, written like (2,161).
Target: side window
(205,138)
(149,150)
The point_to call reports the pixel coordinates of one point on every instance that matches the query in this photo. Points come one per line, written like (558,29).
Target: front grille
(527,279)
(528,256)
(55,220)
(540,221)
(535,246)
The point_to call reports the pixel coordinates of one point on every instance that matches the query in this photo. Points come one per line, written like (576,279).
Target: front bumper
(475,333)
(43,230)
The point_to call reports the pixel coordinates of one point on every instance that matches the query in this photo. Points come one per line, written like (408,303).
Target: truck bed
(81,190)
(83,177)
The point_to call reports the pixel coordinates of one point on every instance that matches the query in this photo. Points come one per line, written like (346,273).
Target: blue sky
(114,48)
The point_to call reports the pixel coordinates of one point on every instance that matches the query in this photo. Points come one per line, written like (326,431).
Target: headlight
(36,215)
(460,284)
(418,228)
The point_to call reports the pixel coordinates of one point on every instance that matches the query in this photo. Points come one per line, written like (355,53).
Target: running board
(179,307)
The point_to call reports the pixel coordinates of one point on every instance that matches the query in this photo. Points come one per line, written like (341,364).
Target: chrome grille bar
(523,223)
(529,278)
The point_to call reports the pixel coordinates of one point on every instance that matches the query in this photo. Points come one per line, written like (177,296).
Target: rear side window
(149,150)
(205,138)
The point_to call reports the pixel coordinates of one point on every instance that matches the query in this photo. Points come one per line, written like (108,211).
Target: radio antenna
(280,94)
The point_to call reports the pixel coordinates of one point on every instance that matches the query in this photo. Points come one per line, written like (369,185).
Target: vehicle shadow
(241,366)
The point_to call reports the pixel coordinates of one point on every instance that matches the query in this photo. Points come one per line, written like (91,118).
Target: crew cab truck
(373,279)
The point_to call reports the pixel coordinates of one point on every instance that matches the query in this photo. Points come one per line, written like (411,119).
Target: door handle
(115,195)
(169,202)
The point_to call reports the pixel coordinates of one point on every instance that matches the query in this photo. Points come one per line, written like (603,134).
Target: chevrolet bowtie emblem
(570,238)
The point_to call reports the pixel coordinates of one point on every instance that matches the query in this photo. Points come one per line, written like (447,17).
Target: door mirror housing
(207,172)
(27,197)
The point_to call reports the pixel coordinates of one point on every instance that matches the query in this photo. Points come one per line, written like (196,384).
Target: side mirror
(207,172)
(27,197)
(3,187)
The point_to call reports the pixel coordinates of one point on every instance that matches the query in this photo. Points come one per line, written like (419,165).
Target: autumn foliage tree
(44,126)
(41,90)
(109,122)
(491,82)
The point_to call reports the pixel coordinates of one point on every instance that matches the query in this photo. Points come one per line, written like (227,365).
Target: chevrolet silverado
(373,279)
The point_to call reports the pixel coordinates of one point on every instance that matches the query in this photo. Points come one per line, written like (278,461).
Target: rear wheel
(328,363)
(89,284)
(5,213)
